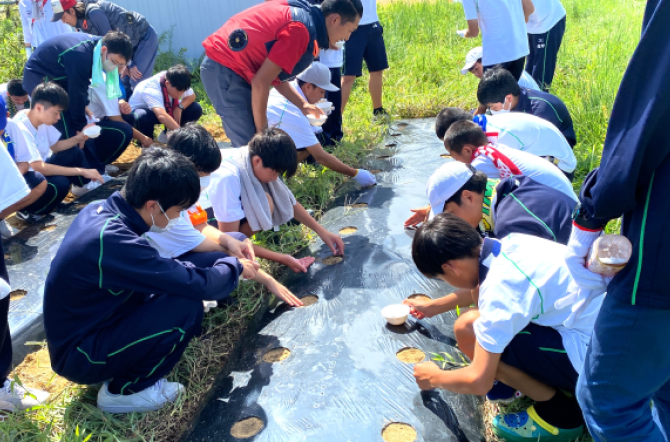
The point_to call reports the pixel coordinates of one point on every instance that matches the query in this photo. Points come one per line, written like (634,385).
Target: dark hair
(198,145)
(464,132)
(15,88)
(444,238)
(349,10)
(165,176)
(179,77)
(447,117)
(48,95)
(119,43)
(276,149)
(79,10)
(476,184)
(495,85)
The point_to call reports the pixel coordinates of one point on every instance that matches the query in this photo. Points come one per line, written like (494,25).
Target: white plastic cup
(396,314)
(92,131)
(317,121)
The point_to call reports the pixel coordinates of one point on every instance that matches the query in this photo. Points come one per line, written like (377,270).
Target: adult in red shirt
(268,45)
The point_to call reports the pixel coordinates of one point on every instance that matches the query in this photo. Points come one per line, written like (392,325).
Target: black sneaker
(29,218)
(381,116)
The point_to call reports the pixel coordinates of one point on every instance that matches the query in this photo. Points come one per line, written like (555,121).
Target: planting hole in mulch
(419,296)
(401,126)
(331,260)
(360,206)
(391,144)
(410,355)
(445,155)
(48,228)
(309,300)
(348,230)
(375,171)
(276,354)
(382,157)
(17,294)
(247,427)
(399,432)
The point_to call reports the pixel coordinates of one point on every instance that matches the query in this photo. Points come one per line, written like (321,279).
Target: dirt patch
(359,206)
(217,132)
(126,160)
(375,171)
(17,294)
(444,155)
(331,260)
(399,432)
(348,230)
(48,228)
(247,427)
(276,354)
(401,126)
(35,371)
(419,296)
(410,355)
(309,300)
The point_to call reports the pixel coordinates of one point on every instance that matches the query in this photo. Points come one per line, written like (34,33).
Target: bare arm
(165,119)
(473,29)
(330,161)
(260,91)
(528,8)
(289,92)
(429,308)
(62,145)
(47,169)
(23,167)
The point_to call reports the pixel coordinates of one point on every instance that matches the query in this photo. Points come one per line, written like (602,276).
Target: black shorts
(515,67)
(538,351)
(366,43)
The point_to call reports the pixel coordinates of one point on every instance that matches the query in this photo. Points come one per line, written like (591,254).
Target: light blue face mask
(170,225)
(204,182)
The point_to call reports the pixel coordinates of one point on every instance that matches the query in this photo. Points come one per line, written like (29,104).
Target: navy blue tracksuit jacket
(103,267)
(634,174)
(549,107)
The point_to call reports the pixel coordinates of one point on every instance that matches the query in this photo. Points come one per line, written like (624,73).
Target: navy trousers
(73,157)
(57,189)
(332,128)
(541,61)
(114,138)
(145,119)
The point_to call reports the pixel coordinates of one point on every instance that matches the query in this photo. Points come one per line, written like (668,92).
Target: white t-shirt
(13,187)
(534,135)
(182,238)
(148,94)
(503,27)
(5,96)
(522,285)
(530,165)
(369,12)
(224,194)
(100,105)
(547,13)
(42,28)
(40,139)
(24,152)
(331,58)
(527,81)
(287,117)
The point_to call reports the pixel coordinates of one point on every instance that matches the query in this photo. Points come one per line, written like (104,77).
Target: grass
(425,55)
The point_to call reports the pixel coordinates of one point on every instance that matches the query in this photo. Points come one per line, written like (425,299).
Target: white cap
(470,59)
(319,75)
(444,183)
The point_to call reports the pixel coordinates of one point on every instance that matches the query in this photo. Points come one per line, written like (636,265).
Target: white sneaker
(149,399)
(15,397)
(5,231)
(83,190)
(110,168)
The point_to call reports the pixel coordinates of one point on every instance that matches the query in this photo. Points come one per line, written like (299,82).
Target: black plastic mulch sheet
(342,381)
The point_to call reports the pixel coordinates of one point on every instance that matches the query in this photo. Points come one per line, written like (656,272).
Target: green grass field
(425,55)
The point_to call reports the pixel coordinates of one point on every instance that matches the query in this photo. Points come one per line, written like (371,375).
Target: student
(15,97)
(516,335)
(466,142)
(135,311)
(545,27)
(312,85)
(473,65)
(37,25)
(502,22)
(99,17)
(501,93)
(60,160)
(238,64)
(247,196)
(167,99)
(71,60)
(14,195)
(496,207)
(332,132)
(366,43)
(519,131)
(615,389)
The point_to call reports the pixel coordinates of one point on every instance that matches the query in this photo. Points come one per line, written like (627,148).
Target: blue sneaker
(503,393)
(527,426)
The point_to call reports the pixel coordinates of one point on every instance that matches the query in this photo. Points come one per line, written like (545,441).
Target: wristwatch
(581,217)
(180,106)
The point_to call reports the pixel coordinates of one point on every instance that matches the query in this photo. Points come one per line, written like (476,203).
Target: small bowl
(396,314)
(317,121)
(92,131)
(325,105)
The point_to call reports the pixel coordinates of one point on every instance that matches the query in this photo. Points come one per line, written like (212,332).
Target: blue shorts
(366,43)
(33,179)
(538,351)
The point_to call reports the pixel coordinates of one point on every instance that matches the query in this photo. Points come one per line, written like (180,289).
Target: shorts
(366,43)
(515,67)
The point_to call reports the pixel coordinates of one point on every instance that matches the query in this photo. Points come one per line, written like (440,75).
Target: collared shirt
(549,107)
(40,139)
(286,116)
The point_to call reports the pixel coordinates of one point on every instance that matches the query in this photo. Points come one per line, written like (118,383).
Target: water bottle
(609,255)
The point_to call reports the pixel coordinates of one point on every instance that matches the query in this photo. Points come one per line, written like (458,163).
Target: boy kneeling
(115,311)
(520,337)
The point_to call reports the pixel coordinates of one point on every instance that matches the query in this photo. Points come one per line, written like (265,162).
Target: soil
(276,354)
(399,432)
(444,155)
(360,206)
(125,161)
(348,230)
(419,296)
(401,126)
(17,294)
(309,300)
(411,355)
(247,428)
(35,371)
(48,228)
(375,171)
(217,132)
(332,260)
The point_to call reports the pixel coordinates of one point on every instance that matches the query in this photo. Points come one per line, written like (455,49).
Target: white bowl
(325,105)
(317,121)
(92,131)
(396,314)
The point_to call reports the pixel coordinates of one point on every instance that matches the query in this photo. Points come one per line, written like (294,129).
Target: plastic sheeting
(342,381)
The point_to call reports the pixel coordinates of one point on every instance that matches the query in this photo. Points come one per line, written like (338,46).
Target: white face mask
(339,44)
(108,65)
(170,225)
(503,110)
(204,182)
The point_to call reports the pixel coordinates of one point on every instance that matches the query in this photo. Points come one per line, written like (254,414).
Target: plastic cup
(317,121)
(92,131)
(396,314)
